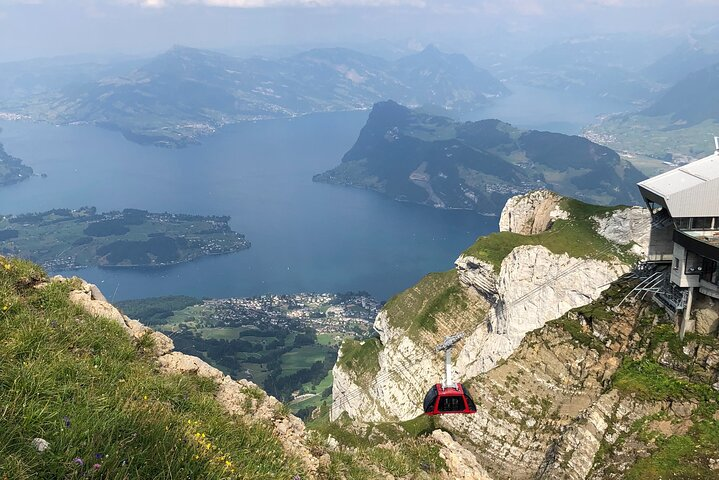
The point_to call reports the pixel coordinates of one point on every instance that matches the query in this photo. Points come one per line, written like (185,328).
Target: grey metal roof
(691,190)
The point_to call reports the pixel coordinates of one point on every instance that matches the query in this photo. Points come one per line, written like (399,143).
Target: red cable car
(440,400)
(448,397)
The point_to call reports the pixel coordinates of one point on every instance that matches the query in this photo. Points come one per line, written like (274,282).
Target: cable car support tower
(446,346)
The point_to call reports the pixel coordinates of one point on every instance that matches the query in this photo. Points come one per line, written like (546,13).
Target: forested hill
(434,160)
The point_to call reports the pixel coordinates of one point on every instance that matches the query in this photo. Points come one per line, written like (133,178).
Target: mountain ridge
(436,161)
(185,93)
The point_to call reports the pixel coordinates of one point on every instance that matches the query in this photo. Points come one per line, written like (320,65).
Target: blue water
(305,236)
(533,108)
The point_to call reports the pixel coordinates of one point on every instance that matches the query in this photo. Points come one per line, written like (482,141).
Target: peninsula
(12,170)
(64,239)
(432,160)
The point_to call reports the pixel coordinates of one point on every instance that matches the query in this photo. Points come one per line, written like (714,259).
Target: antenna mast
(446,346)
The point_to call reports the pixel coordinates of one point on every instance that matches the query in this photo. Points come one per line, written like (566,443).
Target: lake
(306,237)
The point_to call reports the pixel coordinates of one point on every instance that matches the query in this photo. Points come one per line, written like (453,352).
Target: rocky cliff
(602,392)
(551,255)
(570,381)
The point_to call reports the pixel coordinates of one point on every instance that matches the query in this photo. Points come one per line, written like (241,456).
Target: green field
(66,239)
(303,357)
(648,142)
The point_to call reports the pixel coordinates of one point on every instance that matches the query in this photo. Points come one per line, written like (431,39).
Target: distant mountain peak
(431,48)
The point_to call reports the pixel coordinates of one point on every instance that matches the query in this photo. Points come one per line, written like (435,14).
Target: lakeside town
(329,313)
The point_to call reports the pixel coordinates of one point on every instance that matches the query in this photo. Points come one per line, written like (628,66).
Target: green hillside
(63,239)
(433,160)
(677,128)
(79,383)
(575,236)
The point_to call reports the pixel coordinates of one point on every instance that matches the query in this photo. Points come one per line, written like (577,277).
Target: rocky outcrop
(706,314)
(461,463)
(625,226)
(406,361)
(241,397)
(571,381)
(531,213)
(534,286)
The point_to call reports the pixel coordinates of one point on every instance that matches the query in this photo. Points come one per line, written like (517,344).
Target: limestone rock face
(177,362)
(477,274)
(531,213)
(706,312)
(625,226)
(461,463)
(406,361)
(534,286)
(94,306)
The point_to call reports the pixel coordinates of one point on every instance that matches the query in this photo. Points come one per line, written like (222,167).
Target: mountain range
(433,160)
(676,128)
(184,93)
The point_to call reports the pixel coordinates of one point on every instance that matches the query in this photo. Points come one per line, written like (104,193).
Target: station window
(683,223)
(702,223)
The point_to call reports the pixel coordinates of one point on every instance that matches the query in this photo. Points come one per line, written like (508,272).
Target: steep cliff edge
(570,381)
(502,287)
(88,392)
(602,392)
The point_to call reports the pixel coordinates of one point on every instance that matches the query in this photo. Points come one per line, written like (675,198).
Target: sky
(47,28)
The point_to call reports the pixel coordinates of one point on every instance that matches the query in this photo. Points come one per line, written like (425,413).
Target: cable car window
(451,404)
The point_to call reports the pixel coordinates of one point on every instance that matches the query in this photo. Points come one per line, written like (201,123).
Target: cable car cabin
(440,400)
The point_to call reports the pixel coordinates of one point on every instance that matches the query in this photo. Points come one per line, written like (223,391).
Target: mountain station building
(684,239)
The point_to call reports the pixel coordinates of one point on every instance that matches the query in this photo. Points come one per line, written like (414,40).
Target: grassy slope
(79,382)
(401,449)
(360,357)
(575,237)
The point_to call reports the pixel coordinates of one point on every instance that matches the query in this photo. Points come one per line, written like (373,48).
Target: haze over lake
(305,236)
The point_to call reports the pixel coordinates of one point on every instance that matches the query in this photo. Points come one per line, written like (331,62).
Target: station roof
(691,190)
